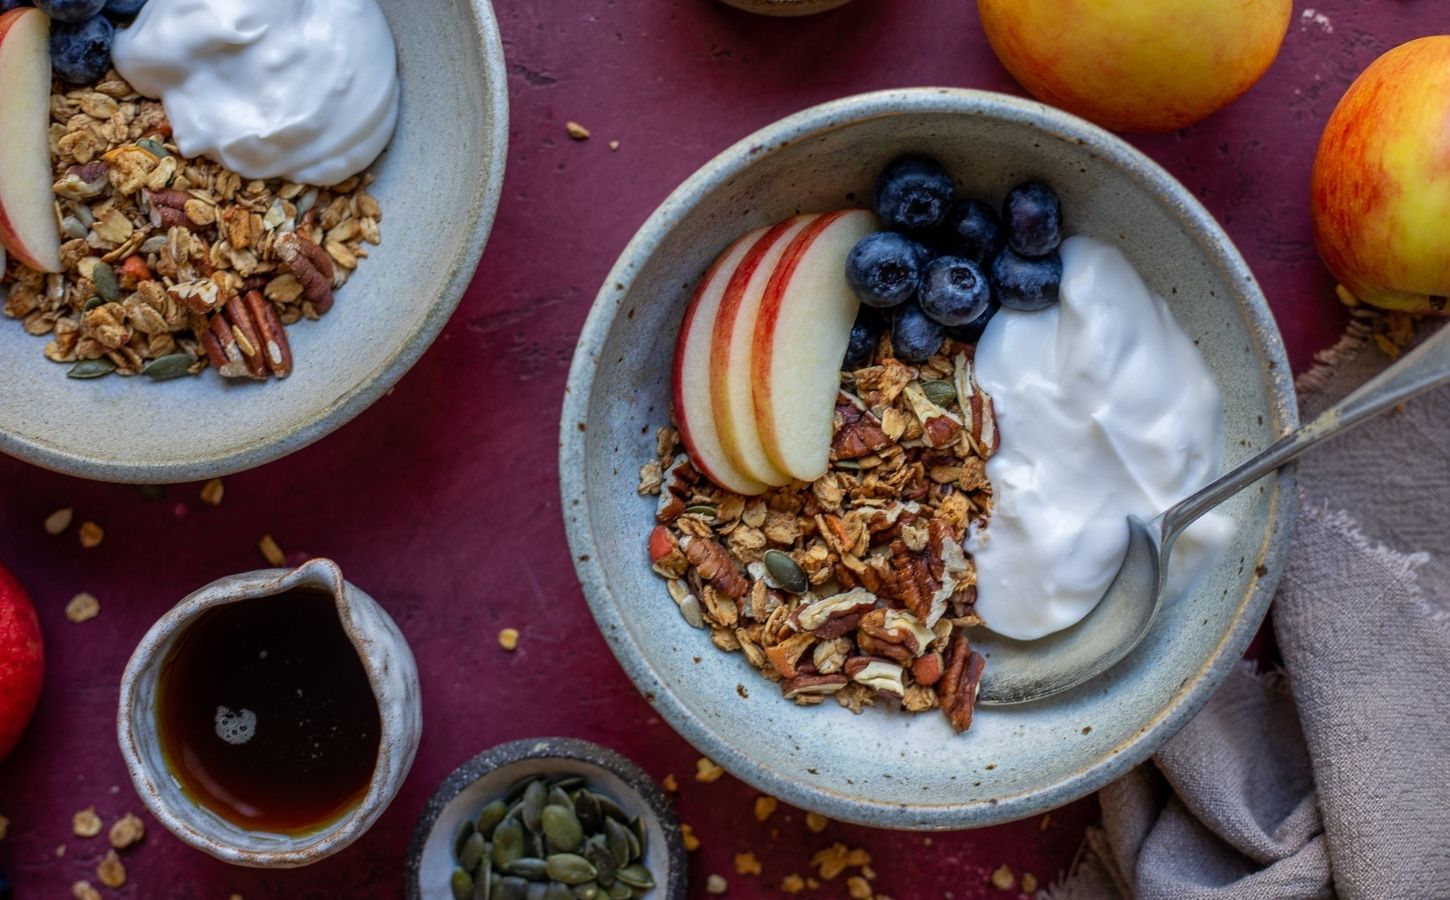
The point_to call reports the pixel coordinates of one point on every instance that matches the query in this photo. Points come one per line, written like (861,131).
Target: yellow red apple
(22,661)
(1137,65)
(28,228)
(1380,190)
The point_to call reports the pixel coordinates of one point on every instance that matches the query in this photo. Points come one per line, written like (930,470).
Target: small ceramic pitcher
(390,669)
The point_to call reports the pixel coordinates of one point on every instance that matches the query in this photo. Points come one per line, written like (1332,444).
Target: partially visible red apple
(1137,65)
(22,661)
(1380,192)
(28,227)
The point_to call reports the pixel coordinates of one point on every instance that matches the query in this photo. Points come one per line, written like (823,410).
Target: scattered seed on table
(614,145)
(111,872)
(91,535)
(576,131)
(669,783)
(82,890)
(270,551)
(706,771)
(816,822)
(1029,883)
(716,885)
(1002,879)
(509,639)
(1046,821)
(81,608)
(58,521)
(212,491)
(86,823)
(687,832)
(126,831)
(765,807)
(747,863)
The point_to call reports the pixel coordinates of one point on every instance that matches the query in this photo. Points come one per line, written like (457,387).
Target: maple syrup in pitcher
(266,714)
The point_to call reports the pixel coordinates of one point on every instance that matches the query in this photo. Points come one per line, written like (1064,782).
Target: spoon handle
(1425,367)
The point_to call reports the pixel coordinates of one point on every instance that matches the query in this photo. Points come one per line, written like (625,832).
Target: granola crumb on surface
(508,639)
(111,872)
(792,884)
(747,863)
(859,888)
(271,552)
(716,884)
(670,783)
(1029,883)
(692,842)
(212,492)
(91,535)
(86,823)
(816,822)
(126,831)
(706,771)
(576,131)
(765,807)
(82,608)
(1003,879)
(82,890)
(58,521)
(4,827)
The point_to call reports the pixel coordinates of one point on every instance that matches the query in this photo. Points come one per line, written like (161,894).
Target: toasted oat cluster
(855,585)
(174,264)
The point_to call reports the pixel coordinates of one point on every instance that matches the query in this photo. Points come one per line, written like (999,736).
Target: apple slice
(693,404)
(732,346)
(27,206)
(802,330)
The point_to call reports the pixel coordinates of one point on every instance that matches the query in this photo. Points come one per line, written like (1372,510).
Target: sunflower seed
(571,868)
(489,817)
(462,885)
(618,837)
(91,368)
(472,851)
(636,876)
(939,392)
(535,796)
(508,842)
(561,826)
(786,572)
(528,867)
(173,365)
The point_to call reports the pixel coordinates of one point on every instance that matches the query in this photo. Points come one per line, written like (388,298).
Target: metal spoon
(1023,671)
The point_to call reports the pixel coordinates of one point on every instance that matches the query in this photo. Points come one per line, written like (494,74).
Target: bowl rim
(564,750)
(348,405)
(1189,696)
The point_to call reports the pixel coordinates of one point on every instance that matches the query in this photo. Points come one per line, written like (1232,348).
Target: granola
(172,265)
(885,591)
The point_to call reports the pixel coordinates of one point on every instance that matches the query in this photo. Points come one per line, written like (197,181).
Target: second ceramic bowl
(890,769)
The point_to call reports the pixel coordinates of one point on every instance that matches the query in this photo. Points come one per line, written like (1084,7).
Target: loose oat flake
(111,872)
(508,639)
(706,771)
(747,864)
(126,831)
(1003,879)
(765,807)
(81,608)
(91,535)
(576,131)
(692,843)
(669,782)
(58,521)
(212,491)
(86,823)
(816,822)
(859,888)
(82,890)
(270,551)
(716,884)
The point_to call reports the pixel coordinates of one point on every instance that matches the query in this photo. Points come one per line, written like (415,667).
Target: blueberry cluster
(80,34)
(947,264)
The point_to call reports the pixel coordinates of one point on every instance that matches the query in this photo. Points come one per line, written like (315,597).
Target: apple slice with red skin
(28,228)
(732,349)
(22,661)
(801,333)
(694,409)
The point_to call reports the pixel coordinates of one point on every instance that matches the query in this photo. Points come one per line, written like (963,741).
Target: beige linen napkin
(1334,775)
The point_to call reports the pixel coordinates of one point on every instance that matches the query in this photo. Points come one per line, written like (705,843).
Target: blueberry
(954,291)
(914,337)
(72,11)
(1024,283)
(81,53)
(913,194)
(971,230)
(1033,217)
(865,335)
(971,332)
(124,8)
(884,269)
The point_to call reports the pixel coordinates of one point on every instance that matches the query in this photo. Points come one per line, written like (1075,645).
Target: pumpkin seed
(599,855)
(536,891)
(495,886)
(939,392)
(462,885)
(508,842)
(104,278)
(561,826)
(91,368)
(557,891)
(848,464)
(610,808)
(173,365)
(153,147)
(586,807)
(570,783)
(588,891)
(559,797)
(642,833)
(489,817)
(93,303)
(516,790)
(483,879)
(570,868)
(786,572)
(529,867)
(702,509)
(535,796)
(472,851)
(511,888)
(618,837)
(635,850)
(620,891)
(636,876)
(533,845)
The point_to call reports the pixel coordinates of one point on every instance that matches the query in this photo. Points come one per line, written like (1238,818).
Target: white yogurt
(1106,410)
(305,90)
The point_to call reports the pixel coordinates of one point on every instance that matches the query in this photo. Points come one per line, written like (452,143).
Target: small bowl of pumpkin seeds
(547,819)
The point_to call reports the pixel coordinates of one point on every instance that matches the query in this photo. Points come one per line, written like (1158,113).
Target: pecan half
(858,433)
(978,416)
(899,628)
(276,352)
(678,479)
(247,335)
(168,208)
(310,265)
(198,296)
(928,669)
(222,349)
(83,182)
(813,685)
(959,684)
(812,616)
(714,565)
(881,675)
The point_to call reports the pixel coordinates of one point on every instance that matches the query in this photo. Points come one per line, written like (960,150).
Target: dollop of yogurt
(305,90)
(1106,410)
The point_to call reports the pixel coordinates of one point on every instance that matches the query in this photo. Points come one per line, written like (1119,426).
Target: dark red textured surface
(441,500)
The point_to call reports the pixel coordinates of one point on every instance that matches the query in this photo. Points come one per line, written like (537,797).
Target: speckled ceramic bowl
(489,774)
(883,768)
(391,671)
(786,7)
(439,185)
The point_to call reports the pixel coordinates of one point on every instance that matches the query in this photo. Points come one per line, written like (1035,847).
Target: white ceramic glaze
(390,669)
